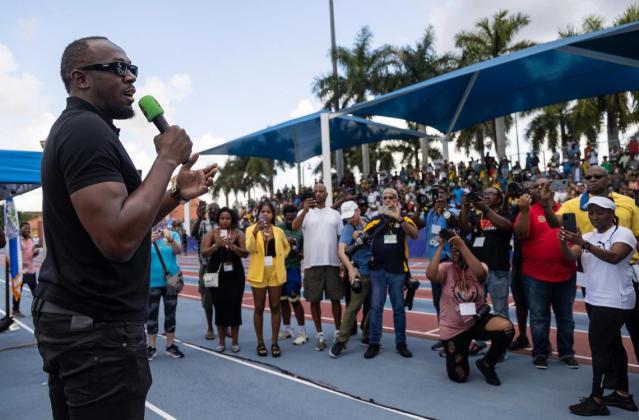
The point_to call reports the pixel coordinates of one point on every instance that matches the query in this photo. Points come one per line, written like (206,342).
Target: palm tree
(414,64)
(553,124)
(363,70)
(490,39)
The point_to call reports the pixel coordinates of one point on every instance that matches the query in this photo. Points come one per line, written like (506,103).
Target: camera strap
(157,249)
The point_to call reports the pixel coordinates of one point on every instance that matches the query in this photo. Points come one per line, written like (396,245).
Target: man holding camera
(389,271)
(358,273)
(321,226)
(549,280)
(492,231)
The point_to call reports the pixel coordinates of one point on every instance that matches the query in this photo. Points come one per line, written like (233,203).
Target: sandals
(261,350)
(209,335)
(275,350)
(220,349)
(235,348)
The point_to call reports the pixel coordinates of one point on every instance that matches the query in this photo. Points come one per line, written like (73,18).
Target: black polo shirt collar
(75,103)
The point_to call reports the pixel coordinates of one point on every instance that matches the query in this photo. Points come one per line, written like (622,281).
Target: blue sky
(223,69)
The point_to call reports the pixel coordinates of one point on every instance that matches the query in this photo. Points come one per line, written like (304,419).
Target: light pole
(339,154)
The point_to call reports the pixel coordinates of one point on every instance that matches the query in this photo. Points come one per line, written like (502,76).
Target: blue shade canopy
(19,172)
(300,139)
(597,63)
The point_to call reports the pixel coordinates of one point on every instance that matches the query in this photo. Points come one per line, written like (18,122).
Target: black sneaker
(488,372)
(336,349)
(403,350)
(540,362)
(619,401)
(570,362)
(371,351)
(439,344)
(521,342)
(174,352)
(365,341)
(589,407)
(151,352)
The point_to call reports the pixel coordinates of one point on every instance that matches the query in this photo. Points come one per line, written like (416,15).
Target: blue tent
(597,63)
(19,172)
(300,139)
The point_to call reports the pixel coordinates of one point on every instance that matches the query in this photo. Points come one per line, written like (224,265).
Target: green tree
(552,124)
(491,38)
(362,69)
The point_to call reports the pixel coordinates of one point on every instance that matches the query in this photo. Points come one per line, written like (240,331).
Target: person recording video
(464,315)
(389,268)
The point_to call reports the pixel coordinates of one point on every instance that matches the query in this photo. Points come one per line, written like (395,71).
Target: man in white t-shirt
(321,226)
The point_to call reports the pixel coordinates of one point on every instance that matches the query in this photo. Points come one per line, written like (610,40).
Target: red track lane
(425,326)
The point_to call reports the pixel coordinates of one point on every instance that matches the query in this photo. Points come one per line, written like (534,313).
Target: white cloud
(304,107)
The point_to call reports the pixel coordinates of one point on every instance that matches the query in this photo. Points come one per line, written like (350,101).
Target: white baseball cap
(603,202)
(348,209)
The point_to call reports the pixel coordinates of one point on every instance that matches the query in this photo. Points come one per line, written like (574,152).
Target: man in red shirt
(549,280)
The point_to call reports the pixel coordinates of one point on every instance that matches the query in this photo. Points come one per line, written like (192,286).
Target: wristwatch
(177,196)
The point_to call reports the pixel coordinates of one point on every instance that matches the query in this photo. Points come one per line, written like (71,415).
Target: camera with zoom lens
(411,287)
(356,286)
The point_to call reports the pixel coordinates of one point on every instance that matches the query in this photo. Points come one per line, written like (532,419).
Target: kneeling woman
(462,283)
(268,247)
(605,255)
(224,248)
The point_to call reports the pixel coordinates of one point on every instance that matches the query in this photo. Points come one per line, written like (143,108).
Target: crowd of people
(110,261)
(491,229)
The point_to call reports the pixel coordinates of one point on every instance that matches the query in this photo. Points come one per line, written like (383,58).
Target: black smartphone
(445,234)
(569,222)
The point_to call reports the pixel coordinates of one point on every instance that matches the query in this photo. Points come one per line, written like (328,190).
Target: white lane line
(148,405)
(159,411)
(298,380)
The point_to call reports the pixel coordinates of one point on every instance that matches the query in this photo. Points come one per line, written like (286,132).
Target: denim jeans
(381,281)
(541,296)
(497,285)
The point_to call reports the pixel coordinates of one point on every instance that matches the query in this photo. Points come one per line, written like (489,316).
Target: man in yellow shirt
(627,212)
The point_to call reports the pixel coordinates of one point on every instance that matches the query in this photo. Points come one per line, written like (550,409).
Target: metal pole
(517,136)
(299,175)
(326,157)
(339,154)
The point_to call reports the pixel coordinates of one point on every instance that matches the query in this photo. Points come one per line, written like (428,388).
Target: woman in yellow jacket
(268,248)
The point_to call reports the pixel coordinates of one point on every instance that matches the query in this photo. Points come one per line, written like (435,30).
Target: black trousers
(30,279)
(96,371)
(457,348)
(606,346)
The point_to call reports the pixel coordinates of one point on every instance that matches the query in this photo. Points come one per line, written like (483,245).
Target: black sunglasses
(119,67)
(589,177)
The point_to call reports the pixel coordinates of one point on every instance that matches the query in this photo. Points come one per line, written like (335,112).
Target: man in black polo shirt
(388,271)
(91,303)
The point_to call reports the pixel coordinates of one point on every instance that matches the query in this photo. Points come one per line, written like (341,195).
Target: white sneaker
(301,338)
(320,343)
(285,334)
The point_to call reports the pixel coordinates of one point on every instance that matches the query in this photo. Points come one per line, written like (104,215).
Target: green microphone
(153,112)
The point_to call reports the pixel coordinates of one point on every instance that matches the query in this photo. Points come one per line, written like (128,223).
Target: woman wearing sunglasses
(605,255)
(268,247)
(463,314)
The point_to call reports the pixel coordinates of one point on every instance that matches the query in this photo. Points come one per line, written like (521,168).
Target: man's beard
(120,112)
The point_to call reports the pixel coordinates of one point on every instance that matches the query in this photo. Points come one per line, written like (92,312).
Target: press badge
(467,308)
(268,261)
(435,229)
(211,280)
(228,267)
(479,242)
(390,239)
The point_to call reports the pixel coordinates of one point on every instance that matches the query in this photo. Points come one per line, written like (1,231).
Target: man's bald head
(597,170)
(75,55)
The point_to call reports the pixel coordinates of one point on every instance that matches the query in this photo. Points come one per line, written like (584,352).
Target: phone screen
(569,222)
(558,185)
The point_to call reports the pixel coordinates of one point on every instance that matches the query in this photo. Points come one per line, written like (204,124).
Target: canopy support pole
(424,146)
(611,58)
(326,156)
(458,111)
